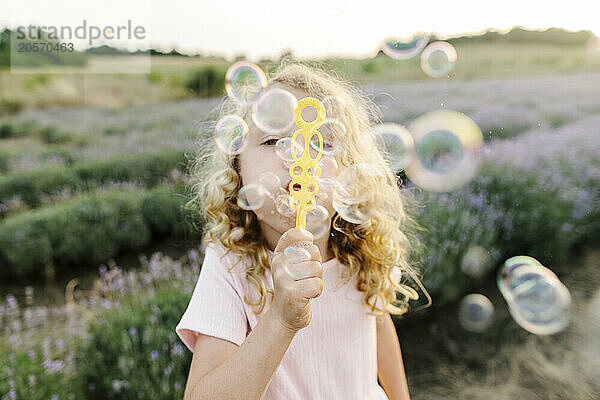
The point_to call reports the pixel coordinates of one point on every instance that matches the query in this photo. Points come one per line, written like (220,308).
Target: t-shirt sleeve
(216,307)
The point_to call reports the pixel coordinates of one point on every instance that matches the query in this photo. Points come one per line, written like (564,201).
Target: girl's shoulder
(226,258)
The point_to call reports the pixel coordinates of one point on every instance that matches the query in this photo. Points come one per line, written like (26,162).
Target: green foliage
(155,77)
(121,345)
(37,58)
(37,379)
(207,81)
(370,67)
(13,129)
(10,107)
(147,167)
(85,230)
(162,212)
(506,211)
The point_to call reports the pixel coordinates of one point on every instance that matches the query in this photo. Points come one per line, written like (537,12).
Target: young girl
(259,331)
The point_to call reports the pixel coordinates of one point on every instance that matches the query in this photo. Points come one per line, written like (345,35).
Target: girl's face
(260,156)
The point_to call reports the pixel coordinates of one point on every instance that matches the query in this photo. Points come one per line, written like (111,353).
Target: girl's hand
(292,294)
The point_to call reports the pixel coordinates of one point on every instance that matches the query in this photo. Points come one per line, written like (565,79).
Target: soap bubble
(476,261)
(447,150)
(292,256)
(395,143)
(270,182)
(317,221)
(328,165)
(355,213)
(351,179)
(251,197)
(405,49)
(440,151)
(348,198)
(283,148)
(231,133)
(245,82)
(333,133)
(438,59)
(476,312)
(273,112)
(538,301)
(327,187)
(286,205)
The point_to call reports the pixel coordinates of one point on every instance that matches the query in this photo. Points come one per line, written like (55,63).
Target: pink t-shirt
(334,357)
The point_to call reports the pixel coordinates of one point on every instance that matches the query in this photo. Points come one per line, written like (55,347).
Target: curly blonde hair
(369,250)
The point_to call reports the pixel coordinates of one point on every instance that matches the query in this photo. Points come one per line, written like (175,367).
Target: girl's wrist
(278,326)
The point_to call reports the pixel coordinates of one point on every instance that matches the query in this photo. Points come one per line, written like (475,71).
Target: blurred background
(98,257)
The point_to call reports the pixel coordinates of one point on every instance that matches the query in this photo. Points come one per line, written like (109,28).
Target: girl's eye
(270,142)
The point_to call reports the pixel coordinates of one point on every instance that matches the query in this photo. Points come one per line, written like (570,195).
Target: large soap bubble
(538,301)
(273,112)
(447,150)
(245,82)
(404,49)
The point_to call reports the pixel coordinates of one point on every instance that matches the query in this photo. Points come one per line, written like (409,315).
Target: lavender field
(537,193)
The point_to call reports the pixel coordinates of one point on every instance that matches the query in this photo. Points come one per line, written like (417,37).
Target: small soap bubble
(538,301)
(317,221)
(251,196)
(351,179)
(476,312)
(283,148)
(329,166)
(333,132)
(395,143)
(286,205)
(355,212)
(270,182)
(447,150)
(245,82)
(231,133)
(327,187)
(273,112)
(476,261)
(292,256)
(438,59)
(405,49)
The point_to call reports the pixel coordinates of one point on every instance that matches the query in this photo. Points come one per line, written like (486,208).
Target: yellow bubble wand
(305,171)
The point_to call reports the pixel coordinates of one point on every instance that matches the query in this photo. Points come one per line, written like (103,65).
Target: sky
(309,28)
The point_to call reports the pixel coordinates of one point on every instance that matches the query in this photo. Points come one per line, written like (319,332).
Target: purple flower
(11,301)
(153,319)
(168,371)
(54,397)
(132,331)
(194,255)
(177,385)
(154,354)
(102,270)
(53,366)
(31,354)
(12,394)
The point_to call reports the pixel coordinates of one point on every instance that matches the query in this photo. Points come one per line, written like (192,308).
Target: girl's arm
(245,374)
(390,368)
